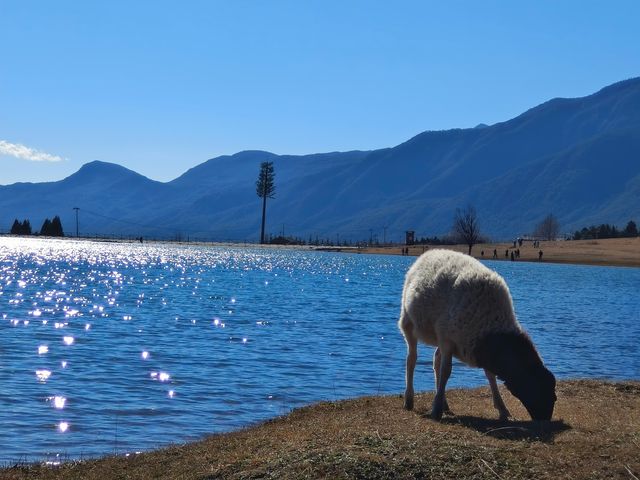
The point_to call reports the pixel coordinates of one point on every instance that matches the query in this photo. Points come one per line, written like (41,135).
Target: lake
(117,348)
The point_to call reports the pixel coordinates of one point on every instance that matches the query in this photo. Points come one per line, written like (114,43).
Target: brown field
(611,251)
(595,434)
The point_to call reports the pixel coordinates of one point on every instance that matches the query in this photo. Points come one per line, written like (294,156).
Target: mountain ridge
(567,156)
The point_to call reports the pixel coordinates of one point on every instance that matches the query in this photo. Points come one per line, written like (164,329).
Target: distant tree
(56,227)
(45,230)
(265,188)
(548,229)
(26,227)
(631,230)
(465,227)
(16,227)
(607,231)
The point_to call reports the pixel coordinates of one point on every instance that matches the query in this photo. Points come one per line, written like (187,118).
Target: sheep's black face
(537,392)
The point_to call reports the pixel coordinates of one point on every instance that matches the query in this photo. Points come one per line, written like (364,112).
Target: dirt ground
(595,433)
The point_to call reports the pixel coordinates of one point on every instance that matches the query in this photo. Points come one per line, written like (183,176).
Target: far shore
(619,252)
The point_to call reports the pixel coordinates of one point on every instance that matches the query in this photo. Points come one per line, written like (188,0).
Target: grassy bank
(595,434)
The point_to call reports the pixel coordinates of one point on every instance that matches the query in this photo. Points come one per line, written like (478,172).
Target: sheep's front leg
(437,361)
(443,377)
(412,357)
(497,399)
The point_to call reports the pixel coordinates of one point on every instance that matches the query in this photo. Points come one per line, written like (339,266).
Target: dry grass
(596,434)
(611,251)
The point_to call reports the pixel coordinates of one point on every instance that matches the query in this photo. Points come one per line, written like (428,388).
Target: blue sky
(160,86)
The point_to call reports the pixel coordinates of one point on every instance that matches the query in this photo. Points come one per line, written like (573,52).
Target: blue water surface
(116,348)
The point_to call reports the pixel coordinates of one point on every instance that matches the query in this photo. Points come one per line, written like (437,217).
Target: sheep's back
(450,297)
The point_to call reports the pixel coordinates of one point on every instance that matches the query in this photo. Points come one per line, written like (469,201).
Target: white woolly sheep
(453,302)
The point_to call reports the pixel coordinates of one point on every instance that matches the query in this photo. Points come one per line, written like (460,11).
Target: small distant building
(410,238)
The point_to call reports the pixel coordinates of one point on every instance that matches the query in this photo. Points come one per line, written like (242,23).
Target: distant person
(482,253)
(495,253)
(517,253)
(512,257)
(540,255)
(141,240)
(506,253)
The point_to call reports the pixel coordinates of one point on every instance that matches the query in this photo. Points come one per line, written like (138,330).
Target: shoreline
(614,252)
(374,437)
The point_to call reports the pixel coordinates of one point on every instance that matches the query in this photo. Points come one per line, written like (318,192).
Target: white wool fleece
(452,299)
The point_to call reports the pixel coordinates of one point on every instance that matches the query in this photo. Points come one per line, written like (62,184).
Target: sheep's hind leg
(497,399)
(443,377)
(437,357)
(412,357)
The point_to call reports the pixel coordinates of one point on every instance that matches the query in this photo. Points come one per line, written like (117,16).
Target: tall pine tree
(265,188)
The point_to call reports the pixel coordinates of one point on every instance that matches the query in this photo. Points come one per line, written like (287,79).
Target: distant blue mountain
(576,158)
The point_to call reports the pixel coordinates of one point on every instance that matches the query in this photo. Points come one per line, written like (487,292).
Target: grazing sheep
(455,303)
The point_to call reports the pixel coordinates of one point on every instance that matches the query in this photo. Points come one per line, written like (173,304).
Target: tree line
(50,228)
(606,231)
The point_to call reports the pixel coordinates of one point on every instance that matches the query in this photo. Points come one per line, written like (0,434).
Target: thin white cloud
(26,153)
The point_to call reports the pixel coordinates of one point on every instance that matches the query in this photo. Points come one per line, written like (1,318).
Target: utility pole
(76,209)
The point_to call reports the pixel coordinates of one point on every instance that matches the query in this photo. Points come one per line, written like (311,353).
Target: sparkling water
(117,348)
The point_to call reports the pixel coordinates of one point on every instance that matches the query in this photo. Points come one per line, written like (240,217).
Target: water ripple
(123,347)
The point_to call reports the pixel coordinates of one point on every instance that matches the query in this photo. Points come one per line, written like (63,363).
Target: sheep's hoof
(436,414)
(408,403)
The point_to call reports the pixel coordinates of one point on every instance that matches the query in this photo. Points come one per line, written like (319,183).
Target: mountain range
(577,158)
